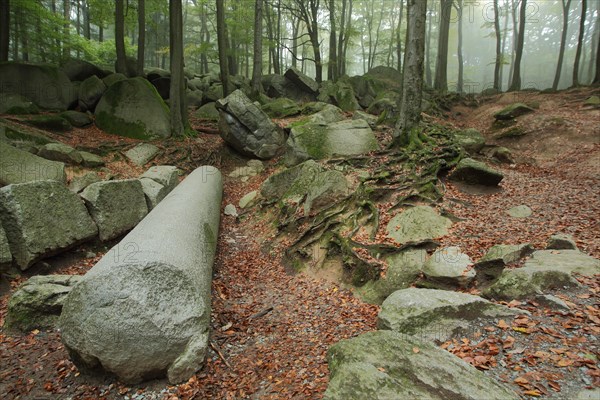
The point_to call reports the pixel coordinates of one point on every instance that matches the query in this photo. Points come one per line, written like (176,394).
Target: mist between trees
(470,45)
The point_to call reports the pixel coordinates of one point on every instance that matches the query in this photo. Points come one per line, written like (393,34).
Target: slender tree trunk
(86,20)
(412,86)
(579,43)
(66,29)
(4,29)
(141,36)
(257,61)
(222,44)
(460,84)
(340,45)
(399,37)
(377,31)
(514,4)
(100,34)
(121,65)
(594,53)
(390,54)
(24,35)
(205,37)
(504,35)
(566,4)
(498,63)
(441,67)
(332,68)
(516,79)
(347,36)
(16,36)
(177,90)
(295,33)
(596,80)
(428,73)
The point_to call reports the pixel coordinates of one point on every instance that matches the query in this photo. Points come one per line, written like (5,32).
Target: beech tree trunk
(222,44)
(579,43)
(257,62)
(332,68)
(177,89)
(563,41)
(516,78)
(460,84)
(141,36)
(120,37)
(4,29)
(412,86)
(66,29)
(441,67)
(498,63)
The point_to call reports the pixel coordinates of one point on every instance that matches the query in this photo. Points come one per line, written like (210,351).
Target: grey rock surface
(448,268)
(561,241)
(90,93)
(166,175)
(153,191)
(42,219)
(37,303)
(142,153)
(5,254)
(491,265)
(416,224)
(301,80)
(78,183)
(143,311)
(476,173)
(385,365)
(60,152)
(247,128)
(18,166)
(522,211)
(116,206)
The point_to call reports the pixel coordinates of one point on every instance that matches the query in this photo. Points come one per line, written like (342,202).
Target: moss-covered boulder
(470,139)
(113,78)
(448,268)
(38,302)
(47,86)
(317,142)
(18,166)
(417,224)
(133,108)
(80,70)
(301,80)
(50,122)
(11,103)
(386,365)
(386,102)
(5,254)
(207,111)
(476,173)
(491,265)
(281,108)
(436,315)
(60,152)
(76,118)
(90,92)
(513,111)
(307,184)
(340,93)
(593,101)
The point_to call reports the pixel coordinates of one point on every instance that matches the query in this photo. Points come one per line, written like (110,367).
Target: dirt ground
(271,329)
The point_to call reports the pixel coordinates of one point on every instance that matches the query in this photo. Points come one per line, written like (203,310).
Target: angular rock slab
(141,154)
(5,254)
(476,173)
(436,315)
(166,175)
(41,219)
(153,191)
(317,142)
(301,80)
(384,365)
(448,268)
(60,152)
(561,241)
(547,269)
(38,302)
(115,206)
(416,224)
(491,265)
(246,128)
(18,166)
(143,311)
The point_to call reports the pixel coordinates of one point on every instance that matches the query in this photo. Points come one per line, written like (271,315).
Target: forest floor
(272,329)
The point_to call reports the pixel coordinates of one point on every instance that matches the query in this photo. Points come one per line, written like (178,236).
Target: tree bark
(412,86)
(347,36)
(66,29)
(460,84)
(177,90)
(257,60)
(222,44)
(563,41)
(579,43)
(498,63)
(516,78)
(596,80)
(340,45)
(441,67)
(504,35)
(121,65)
(4,29)
(332,68)
(428,73)
(141,36)
(86,20)
(399,37)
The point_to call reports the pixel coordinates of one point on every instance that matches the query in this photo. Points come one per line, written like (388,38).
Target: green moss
(50,122)
(313,138)
(117,126)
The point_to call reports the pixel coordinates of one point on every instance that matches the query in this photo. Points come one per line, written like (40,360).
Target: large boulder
(417,224)
(281,108)
(340,93)
(321,114)
(5,254)
(49,122)
(246,128)
(38,302)
(116,206)
(437,315)
(41,219)
(80,70)
(491,265)
(470,139)
(448,268)
(404,269)
(546,269)
(113,78)
(277,86)
(60,152)
(385,365)
(47,86)
(18,166)
(11,103)
(90,92)
(561,241)
(476,173)
(133,108)
(308,183)
(513,111)
(207,111)
(143,311)
(301,80)
(317,142)
(76,118)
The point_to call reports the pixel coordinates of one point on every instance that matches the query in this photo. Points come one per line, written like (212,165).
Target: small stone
(79,183)
(248,199)
(561,241)
(553,302)
(521,211)
(60,152)
(448,267)
(91,160)
(142,153)
(230,210)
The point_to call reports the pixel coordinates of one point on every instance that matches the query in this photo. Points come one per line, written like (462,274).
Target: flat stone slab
(5,254)
(18,166)
(60,152)
(476,173)
(115,206)
(522,211)
(142,153)
(385,365)
(436,315)
(248,199)
(561,241)
(491,265)
(42,219)
(417,224)
(449,268)
(166,175)
(78,183)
